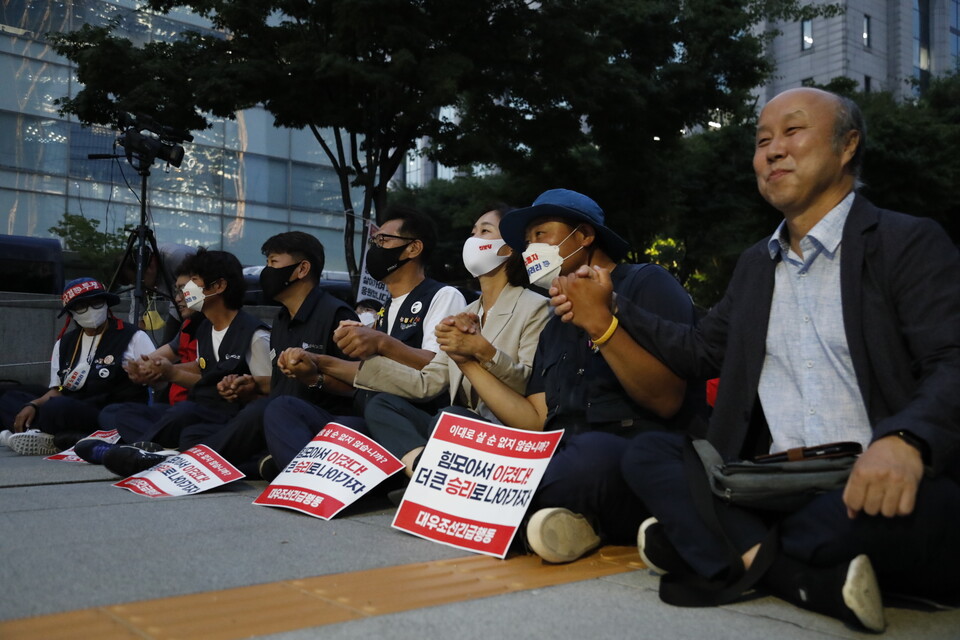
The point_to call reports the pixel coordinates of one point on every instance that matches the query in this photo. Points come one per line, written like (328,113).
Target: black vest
(107,382)
(311,330)
(232,361)
(408,326)
(408,329)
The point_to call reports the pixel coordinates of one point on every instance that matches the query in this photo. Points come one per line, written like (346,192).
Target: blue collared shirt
(808,388)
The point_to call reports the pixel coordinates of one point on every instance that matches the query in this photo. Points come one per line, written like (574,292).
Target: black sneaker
(66,439)
(93,449)
(656,550)
(267,468)
(126,460)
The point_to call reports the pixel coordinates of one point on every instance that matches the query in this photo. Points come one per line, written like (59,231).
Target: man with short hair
(403,333)
(584,375)
(307,320)
(230,343)
(842,326)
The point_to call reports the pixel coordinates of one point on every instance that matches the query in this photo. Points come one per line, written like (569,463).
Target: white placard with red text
(333,471)
(197,469)
(68,455)
(474,482)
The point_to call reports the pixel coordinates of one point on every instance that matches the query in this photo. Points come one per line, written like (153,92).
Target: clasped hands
(357,340)
(459,337)
(300,364)
(148,370)
(585,298)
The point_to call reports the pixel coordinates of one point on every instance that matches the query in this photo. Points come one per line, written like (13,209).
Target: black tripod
(136,252)
(141,151)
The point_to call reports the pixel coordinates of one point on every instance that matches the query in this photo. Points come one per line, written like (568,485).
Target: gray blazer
(513,326)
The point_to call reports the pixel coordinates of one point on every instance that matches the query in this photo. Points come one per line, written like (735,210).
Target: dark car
(254,295)
(31,265)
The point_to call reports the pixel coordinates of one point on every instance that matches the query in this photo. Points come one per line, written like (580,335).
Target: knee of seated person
(651,448)
(383,403)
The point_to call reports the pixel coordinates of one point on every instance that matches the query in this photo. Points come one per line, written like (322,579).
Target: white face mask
(193,296)
(480,255)
(543,261)
(368,318)
(92,317)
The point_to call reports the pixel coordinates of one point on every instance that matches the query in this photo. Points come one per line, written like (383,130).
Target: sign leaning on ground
(337,467)
(197,469)
(69,455)
(473,484)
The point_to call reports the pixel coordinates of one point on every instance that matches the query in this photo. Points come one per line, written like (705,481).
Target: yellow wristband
(599,342)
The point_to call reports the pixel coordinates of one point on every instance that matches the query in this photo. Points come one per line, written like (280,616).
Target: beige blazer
(513,326)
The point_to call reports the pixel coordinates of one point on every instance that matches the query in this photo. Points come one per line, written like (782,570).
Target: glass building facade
(240,182)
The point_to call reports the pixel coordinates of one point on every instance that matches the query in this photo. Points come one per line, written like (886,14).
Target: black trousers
(60,413)
(914,555)
(584,476)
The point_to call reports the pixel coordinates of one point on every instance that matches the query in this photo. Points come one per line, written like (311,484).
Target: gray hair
(850,118)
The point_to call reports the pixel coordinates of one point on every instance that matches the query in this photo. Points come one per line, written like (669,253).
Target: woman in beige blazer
(509,321)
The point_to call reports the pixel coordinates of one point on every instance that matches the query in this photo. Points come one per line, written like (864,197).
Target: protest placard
(333,471)
(68,455)
(197,469)
(473,484)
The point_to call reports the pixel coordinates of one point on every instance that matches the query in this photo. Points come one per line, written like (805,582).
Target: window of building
(866,31)
(806,35)
(806,82)
(955,33)
(921,43)
(867,84)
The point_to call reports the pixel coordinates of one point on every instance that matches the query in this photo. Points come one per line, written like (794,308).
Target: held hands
(296,363)
(459,337)
(358,341)
(234,388)
(147,370)
(884,479)
(585,298)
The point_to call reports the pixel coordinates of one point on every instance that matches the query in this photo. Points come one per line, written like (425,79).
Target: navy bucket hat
(568,205)
(85,289)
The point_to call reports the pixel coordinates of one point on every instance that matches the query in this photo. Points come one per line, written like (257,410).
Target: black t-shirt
(582,392)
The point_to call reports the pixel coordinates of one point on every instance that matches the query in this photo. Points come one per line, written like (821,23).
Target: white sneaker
(560,535)
(861,594)
(5,437)
(32,443)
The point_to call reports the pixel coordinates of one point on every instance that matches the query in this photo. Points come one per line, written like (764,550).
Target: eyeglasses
(381,237)
(82,308)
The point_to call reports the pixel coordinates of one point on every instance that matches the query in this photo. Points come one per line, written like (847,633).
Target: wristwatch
(319,383)
(917,443)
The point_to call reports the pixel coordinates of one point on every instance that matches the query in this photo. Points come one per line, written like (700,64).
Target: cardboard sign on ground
(68,455)
(197,469)
(473,484)
(333,471)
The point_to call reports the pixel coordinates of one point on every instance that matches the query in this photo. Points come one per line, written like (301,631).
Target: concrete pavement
(72,542)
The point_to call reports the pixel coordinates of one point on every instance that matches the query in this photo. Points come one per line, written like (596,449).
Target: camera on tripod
(146,139)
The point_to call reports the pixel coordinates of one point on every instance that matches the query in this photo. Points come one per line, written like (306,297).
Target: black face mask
(382,262)
(273,280)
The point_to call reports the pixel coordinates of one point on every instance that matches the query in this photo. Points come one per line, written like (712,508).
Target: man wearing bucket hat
(86,374)
(583,376)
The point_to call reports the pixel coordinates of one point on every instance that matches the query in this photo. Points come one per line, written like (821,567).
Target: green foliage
(560,92)
(97,249)
(911,164)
